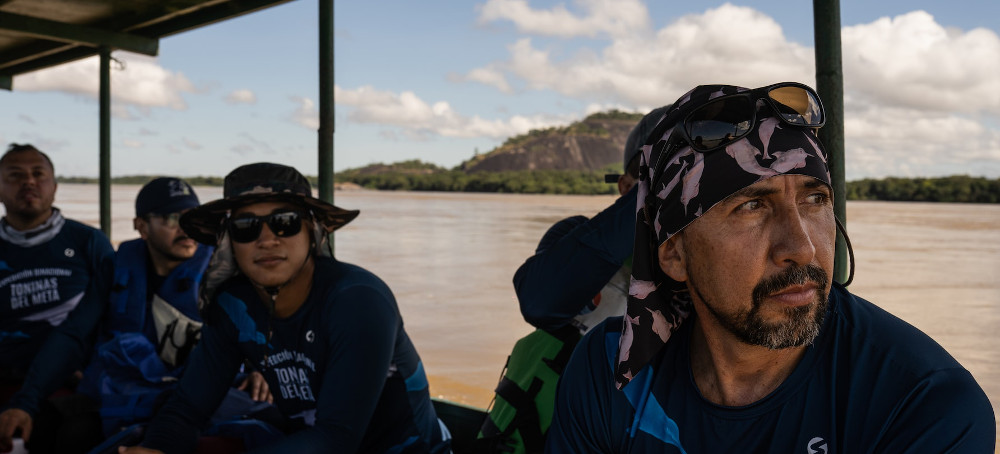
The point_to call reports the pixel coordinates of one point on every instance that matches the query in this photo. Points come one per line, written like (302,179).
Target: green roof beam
(78,34)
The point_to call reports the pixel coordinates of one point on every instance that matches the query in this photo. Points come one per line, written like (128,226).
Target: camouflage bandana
(675,192)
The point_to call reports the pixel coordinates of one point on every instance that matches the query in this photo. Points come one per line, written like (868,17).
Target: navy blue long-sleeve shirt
(870,383)
(556,283)
(341,369)
(53,295)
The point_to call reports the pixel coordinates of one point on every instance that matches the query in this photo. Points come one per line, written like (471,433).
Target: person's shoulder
(559,230)
(79,229)
(602,341)
(135,245)
(887,337)
(334,276)
(75,226)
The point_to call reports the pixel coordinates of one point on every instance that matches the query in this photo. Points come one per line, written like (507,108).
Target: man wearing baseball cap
(326,335)
(154,317)
(735,337)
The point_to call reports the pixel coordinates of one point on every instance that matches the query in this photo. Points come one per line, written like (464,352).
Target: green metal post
(830,86)
(105,140)
(326,126)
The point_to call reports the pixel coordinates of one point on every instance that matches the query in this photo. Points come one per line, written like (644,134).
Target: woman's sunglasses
(729,118)
(283,224)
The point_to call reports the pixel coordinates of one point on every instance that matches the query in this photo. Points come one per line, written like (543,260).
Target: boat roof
(37,34)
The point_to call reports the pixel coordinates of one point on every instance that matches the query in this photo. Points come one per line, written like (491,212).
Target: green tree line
(956,188)
(417,176)
(520,182)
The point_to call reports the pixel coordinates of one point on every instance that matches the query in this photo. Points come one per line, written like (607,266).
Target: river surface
(449,259)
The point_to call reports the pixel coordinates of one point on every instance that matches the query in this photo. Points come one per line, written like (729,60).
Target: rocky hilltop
(590,144)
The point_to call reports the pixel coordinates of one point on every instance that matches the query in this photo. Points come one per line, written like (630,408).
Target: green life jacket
(525,397)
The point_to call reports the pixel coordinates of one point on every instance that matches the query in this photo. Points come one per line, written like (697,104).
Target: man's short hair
(19,148)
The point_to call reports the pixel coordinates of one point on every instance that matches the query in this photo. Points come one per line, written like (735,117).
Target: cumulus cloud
(911,85)
(241,97)
(137,82)
(639,64)
(305,114)
(912,61)
(616,18)
(417,118)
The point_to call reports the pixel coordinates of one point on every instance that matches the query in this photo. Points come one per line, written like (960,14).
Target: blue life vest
(126,374)
(127,311)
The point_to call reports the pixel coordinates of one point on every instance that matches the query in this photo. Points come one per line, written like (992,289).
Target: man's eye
(750,205)
(819,198)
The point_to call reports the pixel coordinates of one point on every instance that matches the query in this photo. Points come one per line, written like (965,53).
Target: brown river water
(449,259)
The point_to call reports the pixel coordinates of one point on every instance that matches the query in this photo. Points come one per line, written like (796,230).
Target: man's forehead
(776,183)
(27,159)
(262,208)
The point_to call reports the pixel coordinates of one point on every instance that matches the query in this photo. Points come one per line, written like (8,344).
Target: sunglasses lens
(285,224)
(245,230)
(797,106)
(719,122)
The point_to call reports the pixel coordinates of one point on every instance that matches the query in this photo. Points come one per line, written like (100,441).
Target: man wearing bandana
(735,337)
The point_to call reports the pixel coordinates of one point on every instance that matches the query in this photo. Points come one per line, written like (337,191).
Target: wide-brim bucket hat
(255,183)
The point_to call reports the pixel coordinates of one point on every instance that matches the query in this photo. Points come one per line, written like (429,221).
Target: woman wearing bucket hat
(327,336)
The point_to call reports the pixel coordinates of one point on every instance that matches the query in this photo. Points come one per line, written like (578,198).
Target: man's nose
(792,239)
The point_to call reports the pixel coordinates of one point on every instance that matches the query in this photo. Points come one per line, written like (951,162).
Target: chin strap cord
(850,250)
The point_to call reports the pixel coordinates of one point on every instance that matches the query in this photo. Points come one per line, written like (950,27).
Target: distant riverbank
(952,189)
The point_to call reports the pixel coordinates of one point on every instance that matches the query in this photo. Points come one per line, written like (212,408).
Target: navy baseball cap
(165,195)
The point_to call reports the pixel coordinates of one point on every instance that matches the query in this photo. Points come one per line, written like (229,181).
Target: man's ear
(672,259)
(139,224)
(625,183)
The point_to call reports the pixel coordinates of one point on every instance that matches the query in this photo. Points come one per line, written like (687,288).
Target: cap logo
(177,188)
(258,190)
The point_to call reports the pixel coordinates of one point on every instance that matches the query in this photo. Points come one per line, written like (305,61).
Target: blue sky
(440,80)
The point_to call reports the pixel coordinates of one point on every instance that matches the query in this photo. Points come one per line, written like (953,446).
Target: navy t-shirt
(52,297)
(341,369)
(870,383)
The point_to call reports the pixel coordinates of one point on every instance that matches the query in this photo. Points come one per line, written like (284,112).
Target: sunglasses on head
(729,118)
(283,224)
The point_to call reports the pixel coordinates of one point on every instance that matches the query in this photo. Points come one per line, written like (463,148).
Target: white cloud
(140,82)
(912,61)
(241,97)
(418,118)
(921,99)
(305,114)
(641,67)
(131,143)
(616,18)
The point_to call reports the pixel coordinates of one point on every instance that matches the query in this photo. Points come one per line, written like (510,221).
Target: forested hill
(573,160)
(591,144)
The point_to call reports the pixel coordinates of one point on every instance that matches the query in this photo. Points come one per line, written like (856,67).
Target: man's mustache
(794,275)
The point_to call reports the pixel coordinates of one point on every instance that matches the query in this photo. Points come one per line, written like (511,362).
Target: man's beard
(799,327)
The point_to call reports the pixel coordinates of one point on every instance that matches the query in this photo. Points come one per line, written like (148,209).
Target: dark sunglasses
(283,224)
(729,118)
